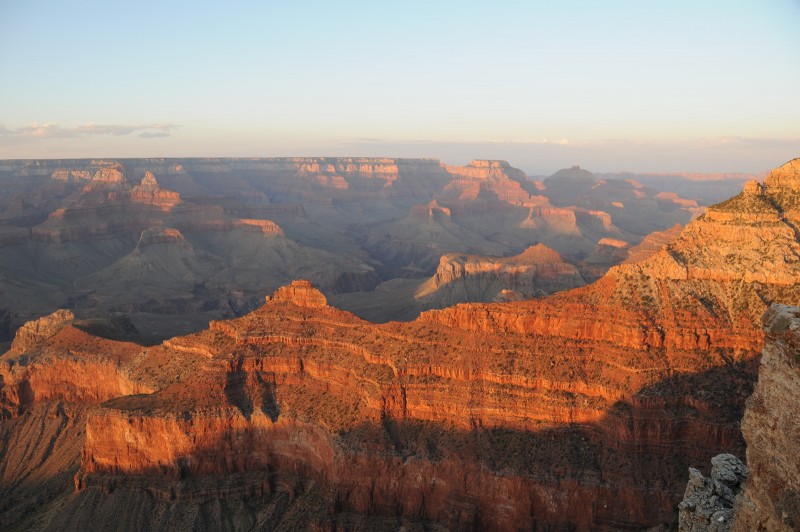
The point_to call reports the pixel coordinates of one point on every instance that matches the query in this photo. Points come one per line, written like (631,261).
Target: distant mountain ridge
(249,225)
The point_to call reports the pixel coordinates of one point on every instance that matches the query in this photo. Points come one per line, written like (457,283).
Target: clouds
(154,134)
(54,131)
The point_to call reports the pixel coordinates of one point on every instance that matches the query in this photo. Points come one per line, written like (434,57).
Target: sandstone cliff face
(34,332)
(63,363)
(771,496)
(308,390)
(462,429)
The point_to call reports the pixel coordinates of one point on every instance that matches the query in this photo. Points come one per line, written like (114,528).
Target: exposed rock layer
(771,496)
(707,505)
(537,271)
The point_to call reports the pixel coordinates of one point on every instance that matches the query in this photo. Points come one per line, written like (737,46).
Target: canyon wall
(765,494)
(771,496)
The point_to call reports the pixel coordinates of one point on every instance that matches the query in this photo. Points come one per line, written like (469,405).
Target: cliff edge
(771,427)
(765,494)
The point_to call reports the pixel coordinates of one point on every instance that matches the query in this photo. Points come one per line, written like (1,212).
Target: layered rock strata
(346,223)
(536,271)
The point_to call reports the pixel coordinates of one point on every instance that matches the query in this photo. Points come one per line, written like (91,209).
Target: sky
(701,86)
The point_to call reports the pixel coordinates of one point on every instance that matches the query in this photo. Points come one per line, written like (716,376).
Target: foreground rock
(708,502)
(771,427)
(767,497)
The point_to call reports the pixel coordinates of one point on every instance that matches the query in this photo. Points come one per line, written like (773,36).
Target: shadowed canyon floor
(579,410)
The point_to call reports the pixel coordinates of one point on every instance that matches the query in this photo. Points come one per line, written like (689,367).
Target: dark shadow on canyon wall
(626,471)
(248,391)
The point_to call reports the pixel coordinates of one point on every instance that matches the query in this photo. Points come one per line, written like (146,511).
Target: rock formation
(459,278)
(771,496)
(34,332)
(767,497)
(707,505)
(652,244)
(150,193)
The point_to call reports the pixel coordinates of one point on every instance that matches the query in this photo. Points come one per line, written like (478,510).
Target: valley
(172,244)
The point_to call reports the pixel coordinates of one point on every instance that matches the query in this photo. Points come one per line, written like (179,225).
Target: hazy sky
(610,85)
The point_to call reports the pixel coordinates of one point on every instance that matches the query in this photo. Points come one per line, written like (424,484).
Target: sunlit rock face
(536,271)
(579,410)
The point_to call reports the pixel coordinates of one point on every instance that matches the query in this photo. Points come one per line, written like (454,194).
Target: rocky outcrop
(51,359)
(771,496)
(787,177)
(652,244)
(707,505)
(766,494)
(34,332)
(301,293)
(149,192)
(537,271)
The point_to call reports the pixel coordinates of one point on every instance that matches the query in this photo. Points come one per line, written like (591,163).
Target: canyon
(175,243)
(578,410)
